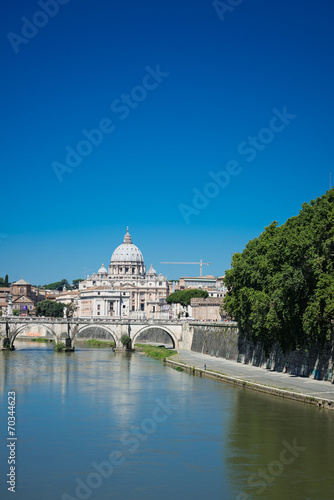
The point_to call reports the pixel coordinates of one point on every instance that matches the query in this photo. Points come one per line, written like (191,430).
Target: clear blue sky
(220,80)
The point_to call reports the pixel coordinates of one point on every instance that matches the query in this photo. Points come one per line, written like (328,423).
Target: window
(142,306)
(160,283)
(22,290)
(98,307)
(126,269)
(98,313)
(99,293)
(133,270)
(133,308)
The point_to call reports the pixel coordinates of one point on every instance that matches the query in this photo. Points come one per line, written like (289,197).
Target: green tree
(281,287)
(126,340)
(58,285)
(6,280)
(76,282)
(50,308)
(183,297)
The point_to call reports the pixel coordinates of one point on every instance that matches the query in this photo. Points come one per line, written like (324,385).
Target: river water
(102,425)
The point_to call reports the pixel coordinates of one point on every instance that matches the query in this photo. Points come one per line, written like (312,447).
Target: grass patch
(179,369)
(155,351)
(100,343)
(42,340)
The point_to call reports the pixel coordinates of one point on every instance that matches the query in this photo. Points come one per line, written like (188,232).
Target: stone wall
(155,336)
(94,332)
(224,342)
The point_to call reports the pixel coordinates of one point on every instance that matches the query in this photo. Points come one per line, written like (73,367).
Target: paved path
(308,386)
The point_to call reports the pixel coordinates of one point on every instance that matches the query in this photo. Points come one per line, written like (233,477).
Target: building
(104,301)
(25,297)
(209,309)
(204,309)
(4,295)
(200,282)
(125,289)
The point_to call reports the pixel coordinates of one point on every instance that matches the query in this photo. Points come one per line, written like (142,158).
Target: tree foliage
(4,282)
(76,282)
(58,285)
(50,308)
(183,297)
(126,340)
(281,287)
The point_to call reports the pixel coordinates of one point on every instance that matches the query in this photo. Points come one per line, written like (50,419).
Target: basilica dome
(127,252)
(151,272)
(102,270)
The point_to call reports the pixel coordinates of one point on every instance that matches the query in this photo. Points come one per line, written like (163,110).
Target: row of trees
(281,287)
(59,285)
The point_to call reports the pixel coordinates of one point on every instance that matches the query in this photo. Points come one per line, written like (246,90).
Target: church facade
(125,289)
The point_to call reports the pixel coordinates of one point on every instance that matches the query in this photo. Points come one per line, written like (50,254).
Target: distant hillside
(281,287)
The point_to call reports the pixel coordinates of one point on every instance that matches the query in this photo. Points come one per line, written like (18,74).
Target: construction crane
(201,263)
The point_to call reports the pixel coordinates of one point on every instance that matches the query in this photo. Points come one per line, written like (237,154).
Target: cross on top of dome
(127,237)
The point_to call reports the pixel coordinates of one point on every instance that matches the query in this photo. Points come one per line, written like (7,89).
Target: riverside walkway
(259,375)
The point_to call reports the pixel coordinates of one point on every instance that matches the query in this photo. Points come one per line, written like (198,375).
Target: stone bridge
(175,332)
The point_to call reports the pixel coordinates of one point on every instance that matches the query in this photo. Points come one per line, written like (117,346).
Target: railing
(17,319)
(126,321)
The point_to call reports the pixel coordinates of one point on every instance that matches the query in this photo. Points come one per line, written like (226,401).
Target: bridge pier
(6,345)
(68,344)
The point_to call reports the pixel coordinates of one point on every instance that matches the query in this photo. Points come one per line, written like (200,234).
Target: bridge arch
(23,327)
(155,327)
(110,335)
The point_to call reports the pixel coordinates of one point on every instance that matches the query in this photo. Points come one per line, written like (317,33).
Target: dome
(127,251)
(151,271)
(102,270)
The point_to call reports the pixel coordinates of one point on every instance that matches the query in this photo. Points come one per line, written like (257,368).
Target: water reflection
(280,449)
(218,442)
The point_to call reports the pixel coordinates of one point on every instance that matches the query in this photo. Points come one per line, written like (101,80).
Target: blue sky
(197,87)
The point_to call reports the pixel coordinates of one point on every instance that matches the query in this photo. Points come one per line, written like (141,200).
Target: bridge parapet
(77,328)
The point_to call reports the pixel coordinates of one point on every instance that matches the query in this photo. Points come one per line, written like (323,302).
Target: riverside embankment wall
(224,341)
